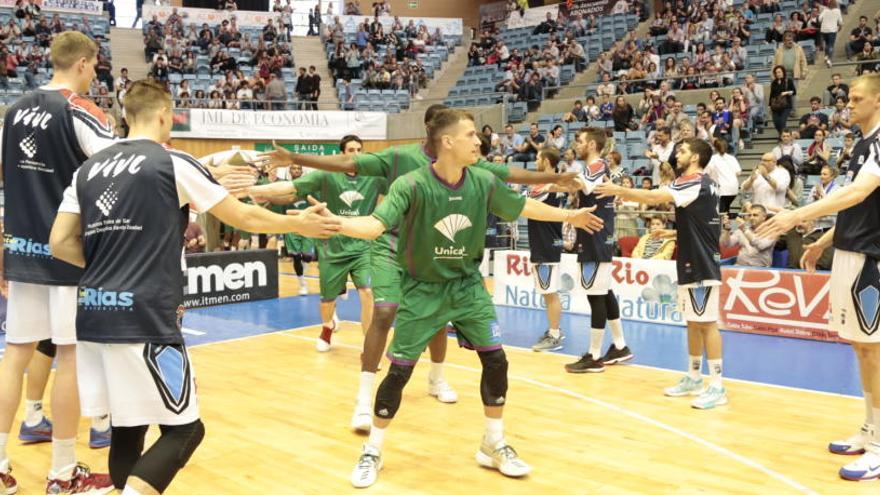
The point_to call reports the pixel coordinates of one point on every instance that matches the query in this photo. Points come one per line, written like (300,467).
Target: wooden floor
(277,415)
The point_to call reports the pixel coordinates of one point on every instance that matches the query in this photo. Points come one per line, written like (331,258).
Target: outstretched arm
(582,218)
(314,221)
(368,227)
(523,176)
(648,197)
(280,157)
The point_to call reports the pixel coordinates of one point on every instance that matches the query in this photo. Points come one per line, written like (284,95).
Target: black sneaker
(615,355)
(586,364)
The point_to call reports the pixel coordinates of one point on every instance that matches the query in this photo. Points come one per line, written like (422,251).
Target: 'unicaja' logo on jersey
(452,224)
(349,197)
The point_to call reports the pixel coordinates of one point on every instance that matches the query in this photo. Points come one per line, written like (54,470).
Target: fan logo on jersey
(866,297)
(349,197)
(107,200)
(169,367)
(699,299)
(449,226)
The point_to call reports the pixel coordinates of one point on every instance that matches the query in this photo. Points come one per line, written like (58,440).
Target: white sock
(63,457)
(3,438)
(695,365)
(874,432)
(555,332)
(436,373)
(365,391)
(101,423)
(715,370)
(377,436)
(329,324)
(302,279)
(130,491)
(494,430)
(596,337)
(617,333)
(33,412)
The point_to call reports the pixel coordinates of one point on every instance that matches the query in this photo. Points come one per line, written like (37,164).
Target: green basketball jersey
(442,227)
(346,196)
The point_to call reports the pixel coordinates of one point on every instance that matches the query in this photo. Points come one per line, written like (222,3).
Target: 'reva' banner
(287,125)
(230,277)
(772,302)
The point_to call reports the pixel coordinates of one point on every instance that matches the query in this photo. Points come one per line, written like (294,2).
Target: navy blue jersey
(133,200)
(858,227)
(598,247)
(47,134)
(698,228)
(545,238)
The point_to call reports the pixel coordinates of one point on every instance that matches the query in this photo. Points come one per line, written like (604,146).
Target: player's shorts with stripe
(334,274)
(855,297)
(547,277)
(427,307)
(699,301)
(595,277)
(295,243)
(140,384)
(38,312)
(386,275)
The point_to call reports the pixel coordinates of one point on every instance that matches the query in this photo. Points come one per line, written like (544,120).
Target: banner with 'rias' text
(287,125)
(788,303)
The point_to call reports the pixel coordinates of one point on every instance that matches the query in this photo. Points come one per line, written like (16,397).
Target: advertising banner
(210,16)
(229,277)
(531,17)
(771,302)
(491,13)
(91,7)
(448,26)
(596,7)
(287,125)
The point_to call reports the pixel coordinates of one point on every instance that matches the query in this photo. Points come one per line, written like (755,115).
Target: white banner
(288,125)
(532,17)
(645,288)
(92,7)
(210,16)
(448,26)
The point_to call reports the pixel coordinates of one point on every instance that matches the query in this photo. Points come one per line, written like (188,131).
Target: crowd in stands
(398,69)
(246,66)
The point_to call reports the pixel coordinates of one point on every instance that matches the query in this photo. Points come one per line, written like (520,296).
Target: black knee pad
(391,389)
(598,311)
(493,382)
(126,447)
(47,348)
(612,308)
(159,465)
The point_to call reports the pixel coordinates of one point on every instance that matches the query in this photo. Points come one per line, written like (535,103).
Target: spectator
(831,20)
(510,141)
(818,154)
(660,152)
(528,150)
(768,183)
(160,71)
(804,234)
(859,37)
(652,246)
(824,187)
(556,137)
(276,93)
(615,171)
(623,115)
(791,57)
(845,154)
(814,120)
(753,250)
(864,57)
(789,147)
(782,92)
(578,113)
(776,32)
(838,89)
(724,169)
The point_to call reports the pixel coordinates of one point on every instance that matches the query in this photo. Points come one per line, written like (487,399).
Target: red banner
(776,302)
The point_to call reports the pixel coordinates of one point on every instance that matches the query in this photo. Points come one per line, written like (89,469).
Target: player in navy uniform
(855,272)
(594,259)
(698,265)
(47,134)
(545,251)
(123,219)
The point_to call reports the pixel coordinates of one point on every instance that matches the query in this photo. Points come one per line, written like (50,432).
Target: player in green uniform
(391,163)
(301,249)
(441,213)
(338,257)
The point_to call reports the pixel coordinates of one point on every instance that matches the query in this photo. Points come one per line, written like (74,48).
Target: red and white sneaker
(81,481)
(8,485)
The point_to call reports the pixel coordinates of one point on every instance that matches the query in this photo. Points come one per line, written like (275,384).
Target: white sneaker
(854,445)
(367,469)
(362,419)
(866,467)
(344,296)
(303,289)
(442,391)
(503,458)
(322,345)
